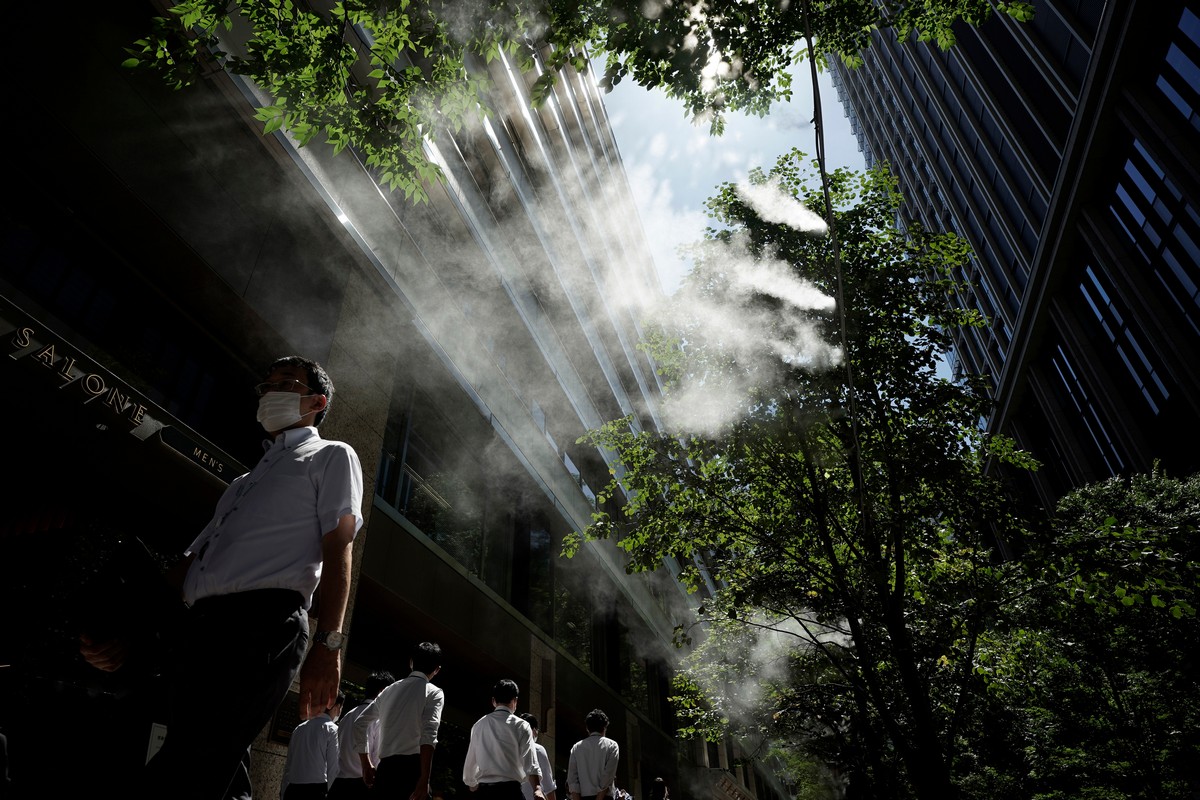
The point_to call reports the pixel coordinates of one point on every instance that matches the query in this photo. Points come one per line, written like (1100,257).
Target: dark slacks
(231,666)
(305,791)
(504,790)
(349,789)
(396,777)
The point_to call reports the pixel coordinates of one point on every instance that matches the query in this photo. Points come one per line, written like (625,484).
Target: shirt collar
(290,438)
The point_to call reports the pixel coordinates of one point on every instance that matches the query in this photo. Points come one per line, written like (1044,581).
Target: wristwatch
(334,640)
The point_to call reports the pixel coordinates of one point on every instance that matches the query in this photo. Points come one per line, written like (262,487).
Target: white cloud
(659,146)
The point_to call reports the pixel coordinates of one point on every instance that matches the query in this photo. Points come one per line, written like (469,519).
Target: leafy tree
(1096,661)
(843,508)
(424,65)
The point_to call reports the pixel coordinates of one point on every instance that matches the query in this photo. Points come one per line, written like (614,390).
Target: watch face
(331,639)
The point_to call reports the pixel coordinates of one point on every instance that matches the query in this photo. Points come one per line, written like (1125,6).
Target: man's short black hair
(377,683)
(426,657)
(505,691)
(318,379)
(596,721)
(532,720)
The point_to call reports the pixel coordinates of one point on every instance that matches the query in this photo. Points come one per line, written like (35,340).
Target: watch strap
(334,640)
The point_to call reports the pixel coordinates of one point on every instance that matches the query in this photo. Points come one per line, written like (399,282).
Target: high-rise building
(1065,150)
(159,251)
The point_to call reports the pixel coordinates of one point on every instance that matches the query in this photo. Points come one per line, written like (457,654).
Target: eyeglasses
(279,386)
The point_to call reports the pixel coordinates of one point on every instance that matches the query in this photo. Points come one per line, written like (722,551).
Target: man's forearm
(321,673)
(334,588)
(426,763)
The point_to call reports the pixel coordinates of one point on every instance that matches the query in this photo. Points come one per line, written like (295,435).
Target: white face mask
(278,411)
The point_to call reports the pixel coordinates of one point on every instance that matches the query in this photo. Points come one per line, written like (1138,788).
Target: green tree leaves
(853,554)
(380,76)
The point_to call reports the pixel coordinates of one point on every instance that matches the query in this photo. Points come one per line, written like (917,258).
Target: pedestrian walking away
(349,783)
(592,767)
(312,757)
(409,714)
(502,756)
(549,787)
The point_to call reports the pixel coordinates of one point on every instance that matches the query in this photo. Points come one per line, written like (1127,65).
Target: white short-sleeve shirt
(267,529)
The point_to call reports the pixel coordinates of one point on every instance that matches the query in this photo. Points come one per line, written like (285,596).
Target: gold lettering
(135,416)
(205,458)
(93,384)
(115,400)
(22,339)
(46,355)
(68,366)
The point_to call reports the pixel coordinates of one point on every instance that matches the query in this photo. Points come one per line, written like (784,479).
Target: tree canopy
(379,75)
(855,521)
(1092,662)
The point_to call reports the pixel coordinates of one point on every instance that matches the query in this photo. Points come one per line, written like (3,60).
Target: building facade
(1064,150)
(159,251)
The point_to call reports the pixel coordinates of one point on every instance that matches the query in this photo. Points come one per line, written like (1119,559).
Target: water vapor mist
(775,205)
(763,323)
(767,646)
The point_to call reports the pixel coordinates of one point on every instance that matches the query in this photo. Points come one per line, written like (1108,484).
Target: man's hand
(369,775)
(420,793)
(108,655)
(320,676)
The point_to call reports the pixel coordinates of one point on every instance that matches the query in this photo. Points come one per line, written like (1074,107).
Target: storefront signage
(67,370)
(93,386)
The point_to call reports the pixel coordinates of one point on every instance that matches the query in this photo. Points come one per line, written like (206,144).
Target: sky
(674,166)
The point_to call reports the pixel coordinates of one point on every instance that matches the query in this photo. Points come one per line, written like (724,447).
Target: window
(1127,343)
(1074,391)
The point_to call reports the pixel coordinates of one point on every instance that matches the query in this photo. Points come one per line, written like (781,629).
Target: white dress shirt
(501,750)
(349,764)
(267,529)
(409,713)
(312,755)
(593,765)
(548,784)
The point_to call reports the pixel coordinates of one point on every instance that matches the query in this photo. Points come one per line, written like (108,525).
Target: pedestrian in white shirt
(349,784)
(280,533)
(592,768)
(312,757)
(549,787)
(502,755)
(409,713)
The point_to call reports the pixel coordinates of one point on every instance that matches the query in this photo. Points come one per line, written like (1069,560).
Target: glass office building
(1064,150)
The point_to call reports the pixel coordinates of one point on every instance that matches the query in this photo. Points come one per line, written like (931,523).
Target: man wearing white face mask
(279,533)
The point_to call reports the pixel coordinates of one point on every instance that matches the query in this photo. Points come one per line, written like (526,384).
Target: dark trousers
(305,791)
(504,790)
(232,665)
(396,777)
(348,789)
